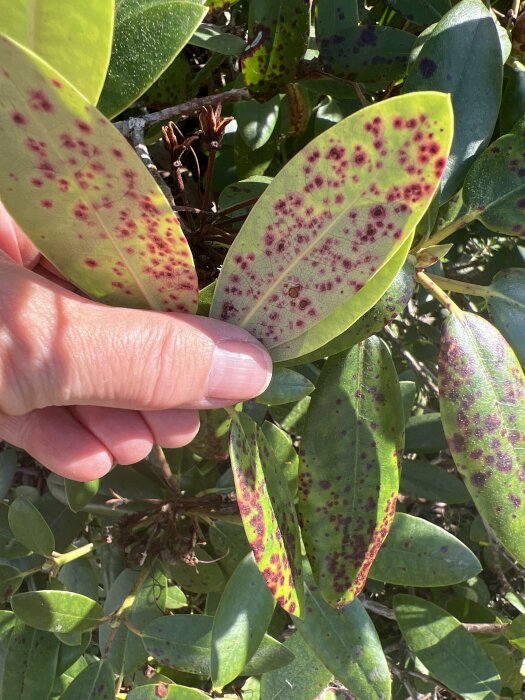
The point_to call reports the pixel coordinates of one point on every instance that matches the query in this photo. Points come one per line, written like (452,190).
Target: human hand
(83,385)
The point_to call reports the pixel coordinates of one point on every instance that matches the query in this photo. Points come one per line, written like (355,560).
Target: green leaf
(78,576)
(482,399)
(282,446)
(184,642)
(29,527)
(346,642)
(515,632)
(494,190)
(211,442)
(212,38)
(513,100)
(8,465)
(65,525)
(95,208)
(75,38)
(175,598)
(205,576)
(349,469)
(449,652)
(424,433)
(425,480)
(286,386)
(93,683)
(390,305)
(304,678)
(421,11)
(267,512)
(163,690)
(464,42)
(30,664)
(220,4)
(256,121)
(10,581)
(301,255)
(57,611)
(80,493)
(173,86)
(64,680)
(240,623)
(331,15)
(10,548)
(229,544)
(277,40)
(69,655)
(366,54)
(419,553)
(148,35)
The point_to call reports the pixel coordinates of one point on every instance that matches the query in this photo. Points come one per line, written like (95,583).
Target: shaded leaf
(286,386)
(349,469)
(256,121)
(57,611)
(205,576)
(78,576)
(173,86)
(435,484)
(10,581)
(449,652)
(267,512)
(211,442)
(65,525)
(331,15)
(80,493)
(277,39)
(30,664)
(240,622)
(482,399)
(148,35)
(421,11)
(515,632)
(97,215)
(424,433)
(8,465)
(10,548)
(300,256)
(304,678)
(229,544)
(513,100)
(95,682)
(464,41)
(282,446)
(74,38)
(164,690)
(346,642)
(30,528)
(494,189)
(419,553)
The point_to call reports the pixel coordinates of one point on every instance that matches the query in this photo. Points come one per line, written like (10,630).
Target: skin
(84,386)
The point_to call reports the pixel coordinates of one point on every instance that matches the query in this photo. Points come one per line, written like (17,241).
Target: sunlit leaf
(80,493)
(267,512)
(419,553)
(282,446)
(213,38)
(286,386)
(332,217)
(73,37)
(256,120)
(57,611)
(450,653)
(349,470)
(95,211)
(148,35)
(482,398)
(29,527)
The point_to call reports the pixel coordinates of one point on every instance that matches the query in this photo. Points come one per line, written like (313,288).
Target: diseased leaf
(173,86)
(282,446)
(331,15)
(494,189)
(418,553)
(30,664)
(482,399)
(267,512)
(95,682)
(96,212)
(367,54)
(30,528)
(148,35)
(57,611)
(464,41)
(444,646)
(277,40)
(349,468)
(240,622)
(73,37)
(421,11)
(286,386)
(300,256)
(506,303)
(426,480)
(346,642)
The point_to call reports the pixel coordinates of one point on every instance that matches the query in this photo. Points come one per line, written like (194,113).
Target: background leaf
(256,120)
(30,528)
(173,691)
(279,279)
(95,682)
(148,36)
(286,386)
(80,493)
(506,303)
(425,480)
(98,214)
(57,611)
(421,11)
(349,468)
(75,38)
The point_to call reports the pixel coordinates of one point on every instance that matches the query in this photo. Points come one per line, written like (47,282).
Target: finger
(59,349)
(13,242)
(55,438)
(124,433)
(173,428)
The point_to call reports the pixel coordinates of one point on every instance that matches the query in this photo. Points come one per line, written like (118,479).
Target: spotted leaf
(267,512)
(422,11)
(506,303)
(482,398)
(79,191)
(349,469)
(277,40)
(494,189)
(331,219)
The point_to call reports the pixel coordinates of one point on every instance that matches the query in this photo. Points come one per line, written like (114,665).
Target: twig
(447,231)
(495,549)
(486,627)
(378,608)
(158,459)
(398,673)
(451,285)
(136,129)
(438,293)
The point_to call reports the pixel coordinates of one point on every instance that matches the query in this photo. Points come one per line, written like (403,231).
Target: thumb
(57,348)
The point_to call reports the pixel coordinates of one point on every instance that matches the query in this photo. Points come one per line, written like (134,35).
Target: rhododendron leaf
(332,218)
(482,398)
(267,512)
(80,192)
(506,304)
(349,470)
(73,37)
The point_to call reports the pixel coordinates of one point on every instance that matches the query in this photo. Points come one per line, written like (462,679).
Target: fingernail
(239,371)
